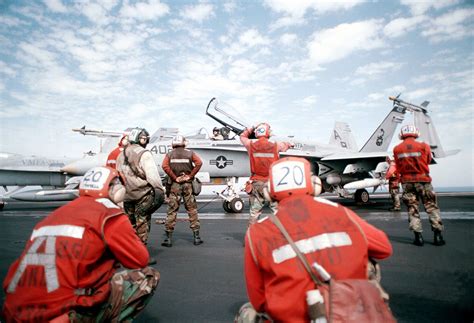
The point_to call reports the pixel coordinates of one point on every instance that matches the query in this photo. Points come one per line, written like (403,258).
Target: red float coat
(326,232)
(262,153)
(412,159)
(112,158)
(77,246)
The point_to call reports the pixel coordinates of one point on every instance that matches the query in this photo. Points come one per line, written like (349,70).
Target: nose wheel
(232,203)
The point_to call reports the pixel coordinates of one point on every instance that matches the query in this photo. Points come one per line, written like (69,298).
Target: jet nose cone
(81,166)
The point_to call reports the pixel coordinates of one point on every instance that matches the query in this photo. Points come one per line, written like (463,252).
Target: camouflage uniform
(131,290)
(184,189)
(139,212)
(412,193)
(257,201)
(395,194)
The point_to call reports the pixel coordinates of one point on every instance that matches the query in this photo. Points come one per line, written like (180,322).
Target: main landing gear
(232,202)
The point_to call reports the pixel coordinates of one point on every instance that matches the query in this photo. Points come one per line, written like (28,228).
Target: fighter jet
(341,166)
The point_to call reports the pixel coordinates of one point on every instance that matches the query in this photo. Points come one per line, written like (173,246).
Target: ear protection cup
(317,185)
(117,193)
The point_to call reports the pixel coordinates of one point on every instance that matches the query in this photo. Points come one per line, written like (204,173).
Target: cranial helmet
(102,182)
(262,130)
(136,133)
(409,131)
(178,141)
(216,129)
(291,176)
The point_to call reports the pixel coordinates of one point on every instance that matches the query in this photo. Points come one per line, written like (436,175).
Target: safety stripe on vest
(405,155)
(66,230)
(179,160)
(315,243)
(107,203)
(266,155)
(324,201)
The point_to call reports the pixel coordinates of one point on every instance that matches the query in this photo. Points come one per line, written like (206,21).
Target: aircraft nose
(80,167)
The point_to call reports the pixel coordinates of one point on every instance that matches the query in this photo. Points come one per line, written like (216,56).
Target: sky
(299,65)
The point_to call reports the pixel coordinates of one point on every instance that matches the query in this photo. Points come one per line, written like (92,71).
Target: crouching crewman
(67,270)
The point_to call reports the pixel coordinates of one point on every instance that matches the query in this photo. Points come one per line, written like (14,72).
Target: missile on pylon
(365,183)
(45,195)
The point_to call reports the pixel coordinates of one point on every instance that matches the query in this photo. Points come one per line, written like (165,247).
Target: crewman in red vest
(324,231)
(68,268)
(412,159)
(262,153)
(112,158)
(393,184)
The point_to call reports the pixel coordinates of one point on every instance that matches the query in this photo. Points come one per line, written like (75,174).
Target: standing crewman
(412,159)
(324,231)
(145,192)
(67,270)
(181,165)
(393,185)
(112,158)
(262,153)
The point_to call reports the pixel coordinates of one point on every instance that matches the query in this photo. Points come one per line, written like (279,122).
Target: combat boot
(197,238)
(395,209)
(418,239)
(438,239)
(167,243)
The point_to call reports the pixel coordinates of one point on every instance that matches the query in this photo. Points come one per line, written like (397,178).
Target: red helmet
(262,130)
(96,182)
(291,176)
(123,141)
(409,131)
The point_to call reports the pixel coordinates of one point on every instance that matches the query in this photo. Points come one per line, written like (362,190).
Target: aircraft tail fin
(342,136)
(382,136)
(429,135)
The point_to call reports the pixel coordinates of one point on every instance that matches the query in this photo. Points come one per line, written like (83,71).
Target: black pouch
(197,185)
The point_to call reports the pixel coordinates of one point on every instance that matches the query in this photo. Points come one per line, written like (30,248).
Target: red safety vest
(412,159)
(112,158)
(324,233)
(262,154)
(64,264)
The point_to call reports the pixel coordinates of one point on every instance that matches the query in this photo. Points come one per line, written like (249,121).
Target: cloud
(288,39)
(198,12)
(453,25)
(419,7)
(376,69)
(55,5)
(299,8)
(294,11)
(329,45)
(147,10)
(400,26)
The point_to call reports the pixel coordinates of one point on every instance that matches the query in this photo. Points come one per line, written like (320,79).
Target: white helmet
(178,141)
(409,131)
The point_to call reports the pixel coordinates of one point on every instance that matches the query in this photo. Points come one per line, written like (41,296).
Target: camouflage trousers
(395,195)
(139,212)
(412,194)
(257,201)
(131,290)
(248,314)
(177,191)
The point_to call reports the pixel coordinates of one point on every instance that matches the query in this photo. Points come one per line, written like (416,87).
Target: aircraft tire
(236,205)
(226,206)
(2,204)
(362,196)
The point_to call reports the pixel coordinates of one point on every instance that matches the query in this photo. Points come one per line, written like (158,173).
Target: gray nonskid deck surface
(206,283)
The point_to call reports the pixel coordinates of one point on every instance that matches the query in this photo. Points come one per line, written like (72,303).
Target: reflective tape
(315,243)
(179,160)
(266,155)
(405,155)
(107,203)
(72,231)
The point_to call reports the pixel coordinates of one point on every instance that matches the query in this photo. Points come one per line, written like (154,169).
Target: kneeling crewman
(68,267)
